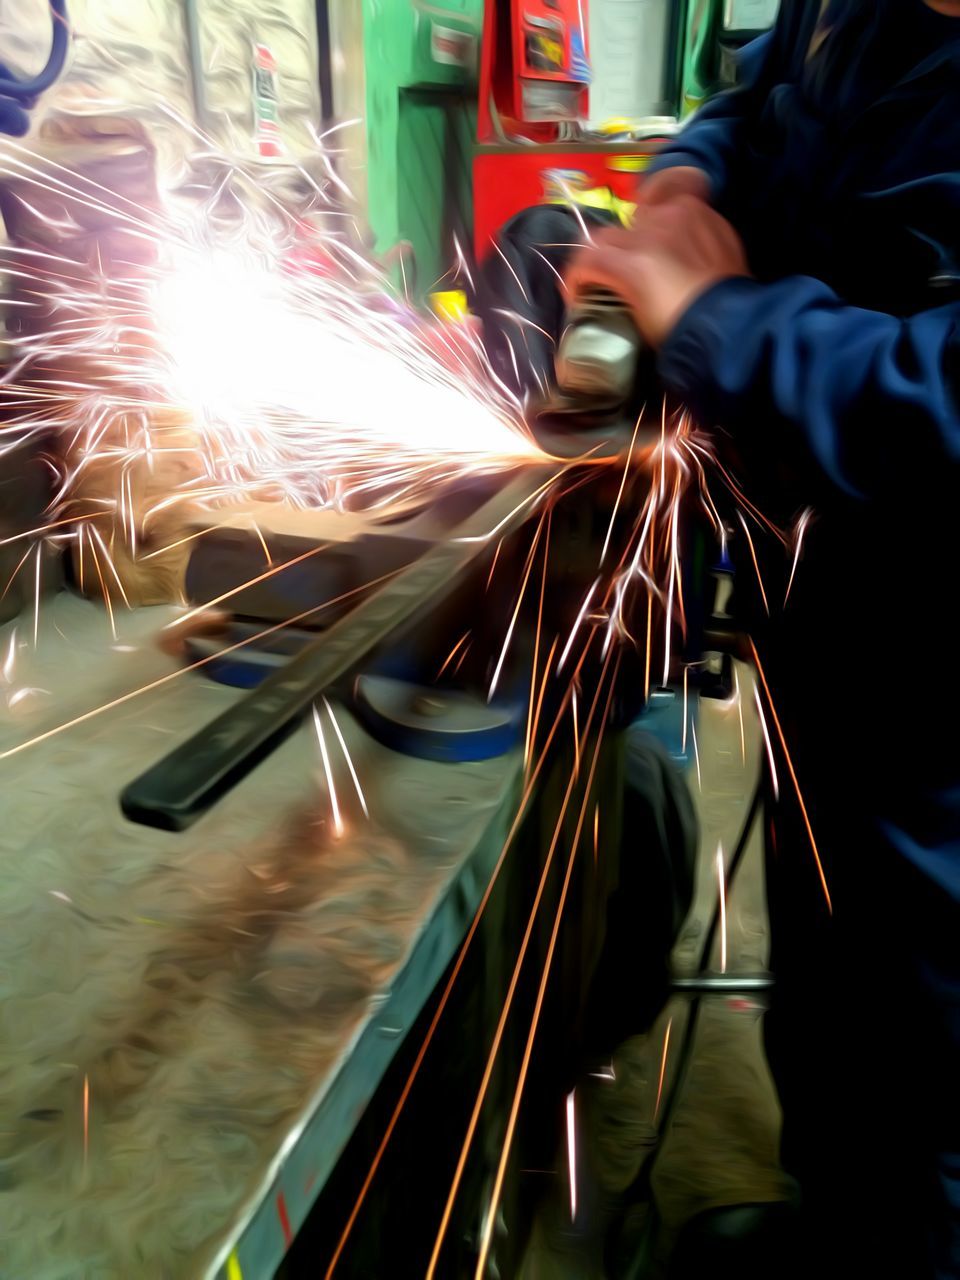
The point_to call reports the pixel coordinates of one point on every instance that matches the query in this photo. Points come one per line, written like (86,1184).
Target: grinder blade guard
(600,350)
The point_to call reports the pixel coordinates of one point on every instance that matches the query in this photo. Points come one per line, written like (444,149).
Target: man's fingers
(615,238)
(645,233)
(655,193)
(624,274)
(683,180)
(676,211)
(594,268)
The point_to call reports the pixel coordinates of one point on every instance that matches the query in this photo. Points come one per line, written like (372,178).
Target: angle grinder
(601,357)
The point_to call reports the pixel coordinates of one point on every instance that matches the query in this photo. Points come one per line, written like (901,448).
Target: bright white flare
(293,382)
(255,321)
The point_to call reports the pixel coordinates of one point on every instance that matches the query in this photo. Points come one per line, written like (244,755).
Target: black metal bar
(195,48)
(324,66)
(184,784)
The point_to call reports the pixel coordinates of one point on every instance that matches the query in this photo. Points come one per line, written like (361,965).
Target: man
(795,260)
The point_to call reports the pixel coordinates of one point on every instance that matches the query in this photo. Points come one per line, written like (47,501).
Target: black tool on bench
(177,790)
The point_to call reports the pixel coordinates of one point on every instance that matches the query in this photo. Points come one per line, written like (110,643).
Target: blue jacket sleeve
(714,138)
(875,399)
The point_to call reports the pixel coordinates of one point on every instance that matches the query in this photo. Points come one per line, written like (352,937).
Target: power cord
(641,1188)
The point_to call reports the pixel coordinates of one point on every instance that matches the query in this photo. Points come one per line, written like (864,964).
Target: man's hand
(674,252)
(670,184)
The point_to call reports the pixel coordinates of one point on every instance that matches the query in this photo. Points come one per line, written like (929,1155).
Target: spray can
(265,100)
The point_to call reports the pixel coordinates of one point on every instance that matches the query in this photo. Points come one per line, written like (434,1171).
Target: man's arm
(713,140)
(874,398)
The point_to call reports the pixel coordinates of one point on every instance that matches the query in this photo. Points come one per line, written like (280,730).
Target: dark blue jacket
(850,335)
(836,371)
(833,376)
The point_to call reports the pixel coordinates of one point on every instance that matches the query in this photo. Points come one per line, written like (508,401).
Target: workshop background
(204,1035)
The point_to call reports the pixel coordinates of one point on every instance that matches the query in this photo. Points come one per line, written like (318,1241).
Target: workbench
(190,1024)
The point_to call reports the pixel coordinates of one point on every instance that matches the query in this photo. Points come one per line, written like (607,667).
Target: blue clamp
(19,97)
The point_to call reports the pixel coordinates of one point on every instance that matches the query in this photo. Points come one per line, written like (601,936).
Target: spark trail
(250,352)
(257,354)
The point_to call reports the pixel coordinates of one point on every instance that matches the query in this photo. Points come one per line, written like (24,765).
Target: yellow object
(629,164)
(618,124)
(233,1267)
(450,306)
(598,198)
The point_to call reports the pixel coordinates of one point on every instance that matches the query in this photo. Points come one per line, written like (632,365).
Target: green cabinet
(421,60)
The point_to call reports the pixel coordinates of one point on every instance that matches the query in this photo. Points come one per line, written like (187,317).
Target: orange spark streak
(110,565)
(444,999)
(103,588)
(190,537)
(508,1002)
(267,573)
(516,612)
(663,1070)
(678,575)
(36,598)
(543,689)
(646,662)
(451,655)
(753,557)
(20,563)
(126,499)
(623,481)
(722,889)
(544,978)
(496,557)
(263,542)
(463,655)
(744,500)
(182,671)
(673,582)
(576,736)
(536,642)
(793,776)
(86,1118)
